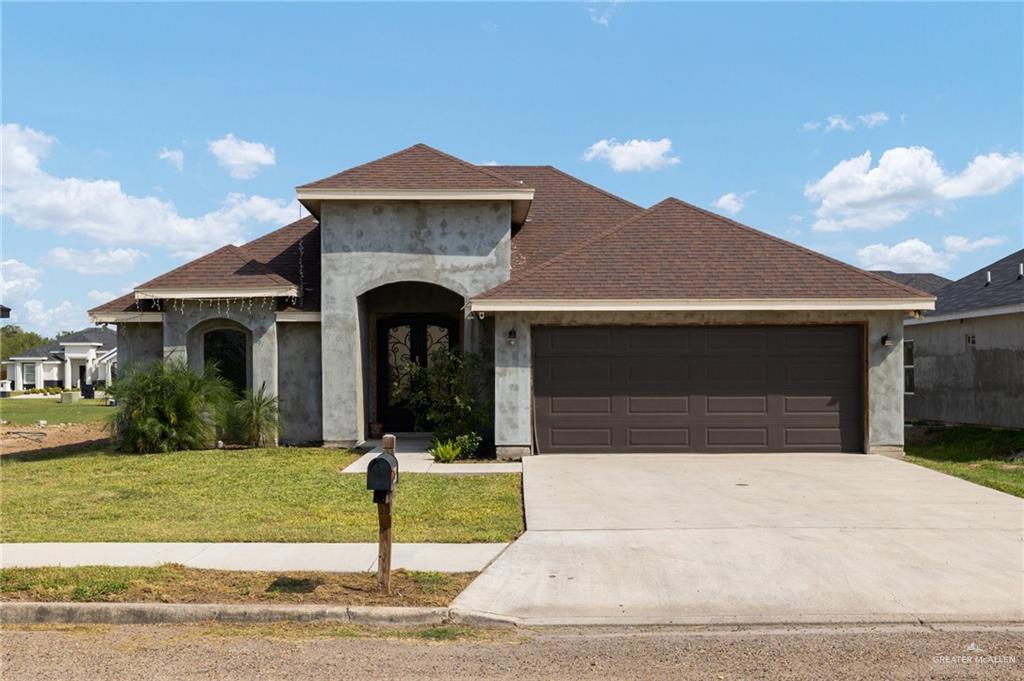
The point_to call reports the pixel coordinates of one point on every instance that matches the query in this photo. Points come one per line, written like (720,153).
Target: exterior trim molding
(966,314)
(701,305)
(195,293)
(298,316)
(125,317)
(414,194)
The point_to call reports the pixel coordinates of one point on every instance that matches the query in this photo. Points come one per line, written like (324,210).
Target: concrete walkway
(413,458)
(715,539)
(260,557)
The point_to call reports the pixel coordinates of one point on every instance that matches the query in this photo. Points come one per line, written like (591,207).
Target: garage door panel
(668,404)
(699,389)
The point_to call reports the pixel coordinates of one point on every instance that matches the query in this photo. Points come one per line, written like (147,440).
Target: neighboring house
(965,360)
(612,328)
(922,281)
(84,357)
(5,312)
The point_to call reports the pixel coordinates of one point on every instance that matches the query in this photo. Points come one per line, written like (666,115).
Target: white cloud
(844,124)
(855,195)
(632,154)
(240,158)
(100,296)
(102,210)
(176,157)
(874,119)
(50,320)
(18,280)
(796,217)
(96,261)
(731,202)
(837,122)
(914,255)
(603,15)
(961,244)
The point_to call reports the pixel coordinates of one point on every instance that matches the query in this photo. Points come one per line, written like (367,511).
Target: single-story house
(964,361)
(611,327)
(86,357)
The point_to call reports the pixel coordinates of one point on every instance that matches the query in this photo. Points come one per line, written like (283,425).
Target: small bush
(256,418)
(446,451)
(450,398)
(166,406)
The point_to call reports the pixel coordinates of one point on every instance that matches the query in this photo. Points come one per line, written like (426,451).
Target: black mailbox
(382,475)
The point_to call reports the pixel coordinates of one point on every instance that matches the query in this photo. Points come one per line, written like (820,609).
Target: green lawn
(283,495)
(972,453)
(29,410)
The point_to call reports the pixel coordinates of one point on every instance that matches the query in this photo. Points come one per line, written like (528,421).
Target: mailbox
(382,475)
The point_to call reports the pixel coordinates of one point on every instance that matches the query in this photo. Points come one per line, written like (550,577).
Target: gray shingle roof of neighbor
(922,281)
(975,292)
(106,337)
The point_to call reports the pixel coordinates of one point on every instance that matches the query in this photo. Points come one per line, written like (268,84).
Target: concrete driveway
(666,539)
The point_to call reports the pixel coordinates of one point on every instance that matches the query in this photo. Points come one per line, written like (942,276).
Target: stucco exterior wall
(138,343)
(955,383)
(463,246)
(184,324)
(513,365)
(299,382)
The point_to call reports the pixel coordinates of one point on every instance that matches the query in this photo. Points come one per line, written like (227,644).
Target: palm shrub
(256,418)
(166,406)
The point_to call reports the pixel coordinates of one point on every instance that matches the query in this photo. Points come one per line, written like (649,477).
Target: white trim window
(29,374)
(908,367)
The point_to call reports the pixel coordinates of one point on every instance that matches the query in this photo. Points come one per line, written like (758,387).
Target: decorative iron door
(402,341)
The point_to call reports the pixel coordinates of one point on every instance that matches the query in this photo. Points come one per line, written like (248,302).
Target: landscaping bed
(179,584)
(268,495)
(985,456)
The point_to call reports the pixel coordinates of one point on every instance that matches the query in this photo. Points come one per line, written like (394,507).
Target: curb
(180,613)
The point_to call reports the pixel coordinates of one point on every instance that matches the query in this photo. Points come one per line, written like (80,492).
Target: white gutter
(325,194)
(126,317)
(297,316)
(701,305)
(966,314)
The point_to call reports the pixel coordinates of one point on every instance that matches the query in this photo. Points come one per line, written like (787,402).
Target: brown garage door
(698,389)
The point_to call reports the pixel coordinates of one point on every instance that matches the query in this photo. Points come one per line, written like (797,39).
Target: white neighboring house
(86,357)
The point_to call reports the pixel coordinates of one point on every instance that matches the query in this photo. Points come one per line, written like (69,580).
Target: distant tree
(15,340)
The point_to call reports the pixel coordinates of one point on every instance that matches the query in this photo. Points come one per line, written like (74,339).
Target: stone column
(885,384)
(342,358)
(39,374)
(19,383)
(513,414)
(67,374)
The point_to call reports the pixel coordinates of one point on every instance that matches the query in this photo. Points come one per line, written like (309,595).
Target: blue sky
(765,112)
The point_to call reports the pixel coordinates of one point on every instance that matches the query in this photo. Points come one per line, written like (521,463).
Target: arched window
(226,348)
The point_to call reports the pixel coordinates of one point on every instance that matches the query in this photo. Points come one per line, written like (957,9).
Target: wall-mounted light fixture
(511,337)
(887,342)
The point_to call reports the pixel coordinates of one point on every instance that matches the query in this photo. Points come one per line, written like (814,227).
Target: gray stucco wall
(513,374)
(463,246)
(955,383)
(299,382)
(138,343)
(185,322)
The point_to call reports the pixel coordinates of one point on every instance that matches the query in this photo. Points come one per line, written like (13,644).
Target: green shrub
(450,397)
(166,406)
(256,418)
(446,451)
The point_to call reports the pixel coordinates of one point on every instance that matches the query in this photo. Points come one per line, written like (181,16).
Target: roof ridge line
(578,246)
(474,166)
(572,177)
(803,249)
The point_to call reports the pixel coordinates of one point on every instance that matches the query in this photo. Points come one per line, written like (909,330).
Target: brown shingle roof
(565,212)
(418,167)
(227,267)
(674,251)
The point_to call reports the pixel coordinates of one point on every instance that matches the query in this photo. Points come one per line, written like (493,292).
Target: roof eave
(125,317)
(699,305)
(313,197)
(967,314)
(208,293)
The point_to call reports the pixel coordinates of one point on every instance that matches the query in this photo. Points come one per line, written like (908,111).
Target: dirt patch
(179,584)
(16,439)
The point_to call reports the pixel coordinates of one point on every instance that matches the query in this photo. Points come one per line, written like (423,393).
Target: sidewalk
(412,456)
(260,557)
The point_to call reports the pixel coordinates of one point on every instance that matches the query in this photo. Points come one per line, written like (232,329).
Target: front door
(402,341)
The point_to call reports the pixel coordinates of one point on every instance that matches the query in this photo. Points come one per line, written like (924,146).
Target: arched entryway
(228,345)
(404,323)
